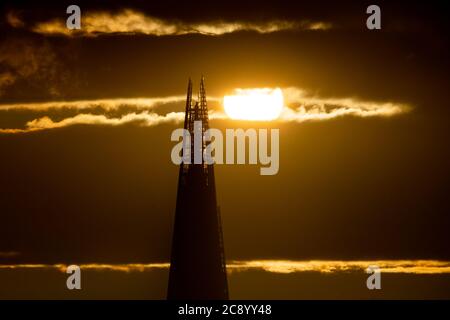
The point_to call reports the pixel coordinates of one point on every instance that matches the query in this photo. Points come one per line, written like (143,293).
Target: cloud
(386,266)
(106,104)
(144,118)
(274,266)
(299,107)
(33,61)
(6,79)
(129,267)
(14,20)
(147,117)
(134,22)
(302,106)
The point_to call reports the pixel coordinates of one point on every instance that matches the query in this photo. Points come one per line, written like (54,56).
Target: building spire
(197,267)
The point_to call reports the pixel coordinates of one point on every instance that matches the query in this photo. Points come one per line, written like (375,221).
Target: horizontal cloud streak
(144,118)
(130,267)
(386,266)
(275,266)
(299,107)
(303,107)
(106,104)
(133,22)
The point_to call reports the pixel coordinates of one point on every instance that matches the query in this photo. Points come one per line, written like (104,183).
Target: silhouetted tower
(197,268)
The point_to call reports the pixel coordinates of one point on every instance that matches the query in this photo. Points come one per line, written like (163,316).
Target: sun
(260,104)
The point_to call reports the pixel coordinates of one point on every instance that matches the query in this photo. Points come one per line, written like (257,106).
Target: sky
(86,118)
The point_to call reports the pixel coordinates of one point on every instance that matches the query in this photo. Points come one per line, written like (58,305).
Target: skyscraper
(197,268)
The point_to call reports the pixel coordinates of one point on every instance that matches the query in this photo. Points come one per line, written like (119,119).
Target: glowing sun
(254,104)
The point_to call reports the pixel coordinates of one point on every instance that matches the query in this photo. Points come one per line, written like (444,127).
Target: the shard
(197,269)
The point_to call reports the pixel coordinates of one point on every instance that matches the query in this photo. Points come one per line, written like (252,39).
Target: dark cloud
(28,64)
(14,19)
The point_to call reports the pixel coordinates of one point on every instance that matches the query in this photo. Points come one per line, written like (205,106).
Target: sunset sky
(86,118)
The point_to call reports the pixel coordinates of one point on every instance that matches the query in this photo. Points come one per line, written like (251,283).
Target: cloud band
(275,266)
(134,22)
(299,107)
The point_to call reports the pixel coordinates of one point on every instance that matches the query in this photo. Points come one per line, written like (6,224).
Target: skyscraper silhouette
(197,268)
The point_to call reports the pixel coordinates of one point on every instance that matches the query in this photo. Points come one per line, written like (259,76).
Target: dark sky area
(348,188)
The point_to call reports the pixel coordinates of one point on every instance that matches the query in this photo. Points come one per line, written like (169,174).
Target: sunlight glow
(254,104)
